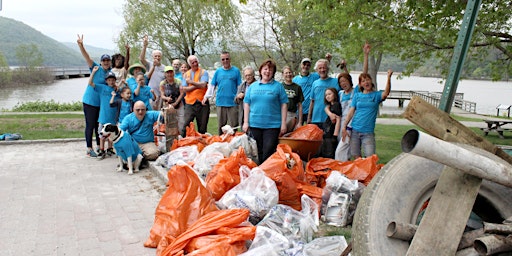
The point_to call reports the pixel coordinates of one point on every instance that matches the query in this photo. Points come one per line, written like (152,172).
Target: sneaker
(110,152)
(91,153)
(101,154)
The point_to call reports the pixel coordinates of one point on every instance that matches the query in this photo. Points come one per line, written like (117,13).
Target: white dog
(126,148)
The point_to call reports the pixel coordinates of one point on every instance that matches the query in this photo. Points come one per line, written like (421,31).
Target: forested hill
(14,33)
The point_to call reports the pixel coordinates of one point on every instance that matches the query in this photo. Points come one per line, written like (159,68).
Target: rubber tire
(397,193)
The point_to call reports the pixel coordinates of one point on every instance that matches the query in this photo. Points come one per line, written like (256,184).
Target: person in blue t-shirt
(91,99)
(139,124)
(131,81)
(305,80)
(363,114)
(123,105)
(143,92)
(226,79)
(317,113)
(107,113)
(265,107)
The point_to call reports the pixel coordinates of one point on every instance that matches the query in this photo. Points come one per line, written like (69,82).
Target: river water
(486,94)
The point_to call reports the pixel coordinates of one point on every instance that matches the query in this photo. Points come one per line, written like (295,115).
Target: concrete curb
(158,171)
(15,142)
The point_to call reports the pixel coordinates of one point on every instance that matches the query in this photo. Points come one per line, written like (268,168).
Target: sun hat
(136,65)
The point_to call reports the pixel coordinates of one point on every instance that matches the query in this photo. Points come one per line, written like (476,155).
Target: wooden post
(171,127)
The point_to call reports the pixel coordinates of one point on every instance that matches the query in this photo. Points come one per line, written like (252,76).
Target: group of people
(265,109)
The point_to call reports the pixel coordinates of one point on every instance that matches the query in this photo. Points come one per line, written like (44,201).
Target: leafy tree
(29,56)
(284,30)
(419,30)
(179,28)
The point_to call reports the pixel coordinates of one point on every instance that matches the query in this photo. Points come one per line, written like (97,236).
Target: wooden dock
(433,98)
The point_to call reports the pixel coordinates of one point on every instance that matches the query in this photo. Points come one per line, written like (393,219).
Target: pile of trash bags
(220,202)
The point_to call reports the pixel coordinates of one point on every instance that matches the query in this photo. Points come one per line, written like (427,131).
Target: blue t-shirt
(317,94)
(265,102)
(306,83)
(91,96)
(127,146)
(178,75)
(125,109)
(226,81)
(132,83)
(107,113)
(142,132)
(366,108)
(144,95)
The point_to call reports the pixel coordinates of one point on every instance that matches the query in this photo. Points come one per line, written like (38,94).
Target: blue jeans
(364,141)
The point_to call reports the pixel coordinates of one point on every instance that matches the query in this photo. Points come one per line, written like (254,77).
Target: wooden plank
(171,127)
(441,229)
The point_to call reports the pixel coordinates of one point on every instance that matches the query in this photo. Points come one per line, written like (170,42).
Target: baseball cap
(306,60)
(105,57)
(109,75)
(168,68)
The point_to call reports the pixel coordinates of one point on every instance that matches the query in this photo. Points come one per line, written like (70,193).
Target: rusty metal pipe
(494,228)
(483,166)
(405,232)
(489,245)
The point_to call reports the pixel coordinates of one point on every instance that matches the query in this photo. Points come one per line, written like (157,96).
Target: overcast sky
(100,21)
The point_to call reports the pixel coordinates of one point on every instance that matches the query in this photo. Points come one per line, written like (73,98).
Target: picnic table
(496,125)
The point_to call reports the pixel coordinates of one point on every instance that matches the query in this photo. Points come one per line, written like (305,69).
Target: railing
(434,98)
(70,72)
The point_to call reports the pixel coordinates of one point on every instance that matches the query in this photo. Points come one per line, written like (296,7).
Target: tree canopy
(179,28)
(418,32)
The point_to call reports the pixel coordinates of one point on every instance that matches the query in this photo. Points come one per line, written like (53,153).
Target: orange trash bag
(362,169)
(203,226)
(286,169)
(307,132)
(184,202)
(235,238)
(225,174)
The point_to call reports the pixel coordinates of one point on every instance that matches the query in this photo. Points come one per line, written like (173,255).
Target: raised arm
(388,85)
(142,55)
(127,58)
(91,83)
(366,51)
(80,42)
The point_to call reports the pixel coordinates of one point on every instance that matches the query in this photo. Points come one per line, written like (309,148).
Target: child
(124,105)
(143,92)
(331,128)
(107,113)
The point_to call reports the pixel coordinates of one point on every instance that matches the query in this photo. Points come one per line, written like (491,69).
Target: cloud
(100,21)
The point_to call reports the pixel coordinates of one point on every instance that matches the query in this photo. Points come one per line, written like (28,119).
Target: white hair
(320,61)
(190,59)
(155,52)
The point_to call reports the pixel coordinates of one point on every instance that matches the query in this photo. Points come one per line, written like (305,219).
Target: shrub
(47,106)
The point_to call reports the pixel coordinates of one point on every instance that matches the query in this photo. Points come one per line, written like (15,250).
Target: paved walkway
(56,201)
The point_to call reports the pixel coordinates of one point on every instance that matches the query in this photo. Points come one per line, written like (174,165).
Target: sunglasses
(224,59)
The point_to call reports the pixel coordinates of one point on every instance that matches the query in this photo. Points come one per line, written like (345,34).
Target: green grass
(54,125)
